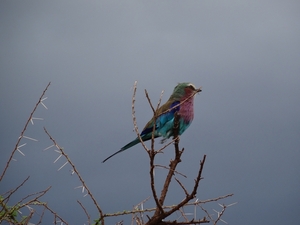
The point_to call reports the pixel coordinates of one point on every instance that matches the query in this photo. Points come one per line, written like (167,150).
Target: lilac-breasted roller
(183,96)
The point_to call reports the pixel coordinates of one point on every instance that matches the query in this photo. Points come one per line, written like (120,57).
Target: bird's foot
(163,140)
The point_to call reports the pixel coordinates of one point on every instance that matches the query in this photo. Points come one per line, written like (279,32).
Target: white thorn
(48,147)
(231,204)
(20,146)
(44,105)
(223,221)
(36,118)
(57,159)
(62,166)
(30,138)
(20,152)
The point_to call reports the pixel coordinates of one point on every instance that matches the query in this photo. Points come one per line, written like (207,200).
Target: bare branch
(134,118)
(13,191)
(149,101)
(181,185)
(168,168)
(23,131)
(54,213)
(78,174)
(85,211)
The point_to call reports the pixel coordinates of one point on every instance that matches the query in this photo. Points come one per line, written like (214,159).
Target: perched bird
(181,97)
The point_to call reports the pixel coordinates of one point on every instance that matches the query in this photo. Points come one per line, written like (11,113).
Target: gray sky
(244,54)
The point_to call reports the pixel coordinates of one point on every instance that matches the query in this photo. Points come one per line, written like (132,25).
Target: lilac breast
(186,110)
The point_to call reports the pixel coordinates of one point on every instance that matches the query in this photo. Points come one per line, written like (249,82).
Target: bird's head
(184,90)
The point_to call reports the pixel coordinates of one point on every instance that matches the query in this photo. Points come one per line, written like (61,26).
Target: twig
(159,217)
(79,176)
(168,168)
(13,191)
(54,213)
(149,101)
(32,201)
(23,131)
(181,185)
(134,118)
(41,217)
(166,207)
(85,211)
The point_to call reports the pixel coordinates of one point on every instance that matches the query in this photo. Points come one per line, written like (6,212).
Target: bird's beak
(199,89)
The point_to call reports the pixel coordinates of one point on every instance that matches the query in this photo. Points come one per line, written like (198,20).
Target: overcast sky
(244,54)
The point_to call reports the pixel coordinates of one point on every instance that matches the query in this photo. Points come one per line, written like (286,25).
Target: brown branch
(78,174)
(32,201)
(220,214)
(169,169)
(181,185)
(134,118)
(150,152)
(54,213)
(166,207)
(212,199)
(158,204)
(85,211)
(41,217)
(157,218)
(13,191)
(183,223)
(23,131)
(149,101)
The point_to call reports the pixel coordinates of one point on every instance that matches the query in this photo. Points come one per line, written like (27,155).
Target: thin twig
(23,131)
(181,185)
(159,217)
(134,118)
(78,174)
(85,211)
(55,214)
(168,168)
(13,191)
(166,207)
(39,194)
(41,217)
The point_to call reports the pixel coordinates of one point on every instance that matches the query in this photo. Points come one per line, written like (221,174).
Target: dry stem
(23,131)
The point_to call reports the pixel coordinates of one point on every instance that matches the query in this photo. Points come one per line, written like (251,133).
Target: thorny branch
(9,213)
(166,207)
(85,211)
(78,174)
(23,131)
